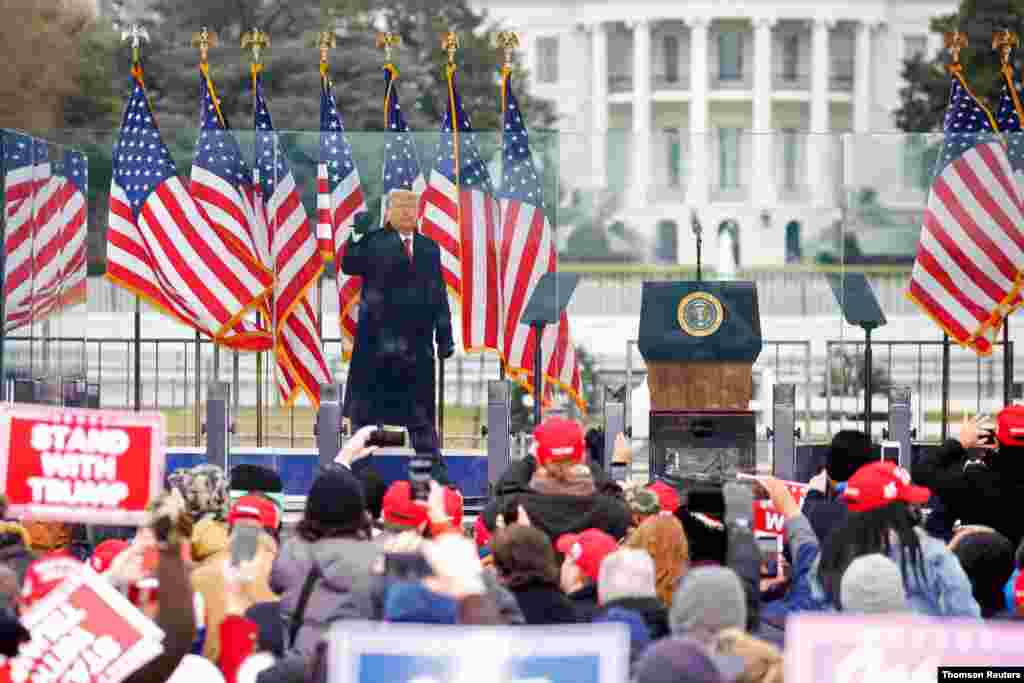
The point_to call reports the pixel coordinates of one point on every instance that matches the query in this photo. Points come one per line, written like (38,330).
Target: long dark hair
(311,531)
(865,533)
(523,555)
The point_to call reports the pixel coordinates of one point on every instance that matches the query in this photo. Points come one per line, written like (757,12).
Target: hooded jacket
(341,591)
(558,508)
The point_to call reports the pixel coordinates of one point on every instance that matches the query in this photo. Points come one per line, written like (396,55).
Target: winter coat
(989,496)
(342,590)
(654,613)
(544,604)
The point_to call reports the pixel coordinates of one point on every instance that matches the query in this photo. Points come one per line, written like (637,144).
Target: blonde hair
(763,662)
(664,539)
(565,471)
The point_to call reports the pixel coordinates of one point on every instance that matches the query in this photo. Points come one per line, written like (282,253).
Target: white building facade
(752,114)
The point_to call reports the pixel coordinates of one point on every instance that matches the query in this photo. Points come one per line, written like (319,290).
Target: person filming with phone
(979,477)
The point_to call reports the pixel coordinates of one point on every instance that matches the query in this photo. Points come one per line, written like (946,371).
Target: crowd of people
(559,543)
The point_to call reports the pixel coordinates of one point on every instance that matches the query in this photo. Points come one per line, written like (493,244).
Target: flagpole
(507,42)
(137,34)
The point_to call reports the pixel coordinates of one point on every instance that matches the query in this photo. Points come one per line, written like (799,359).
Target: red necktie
(408,248)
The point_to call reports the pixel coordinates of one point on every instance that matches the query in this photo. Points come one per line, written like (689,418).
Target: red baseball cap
(45,574)
(257,508)
(879,483)
(104,554)
(667,496)
(1018,595)
(1010,426)
(400,509)
(587,549)
(559,440)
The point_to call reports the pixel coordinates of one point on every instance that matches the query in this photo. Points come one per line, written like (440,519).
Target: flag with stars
(966,271)
(222,181)
(297,264)
(401,168)
(460,213)
(1008,118)
(162,246)
(76,229)
(19,193)
(527,253)
(339,198)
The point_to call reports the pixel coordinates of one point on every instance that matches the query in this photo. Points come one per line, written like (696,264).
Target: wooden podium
(700,341)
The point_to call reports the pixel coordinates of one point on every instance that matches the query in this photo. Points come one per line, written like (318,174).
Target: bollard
(783,432)
(499,428)
(328,423)
(899,423)
(218,424)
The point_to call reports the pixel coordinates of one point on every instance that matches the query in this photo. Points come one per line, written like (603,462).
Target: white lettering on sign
(773,521)
(95,440)
(79,465)
(77,492)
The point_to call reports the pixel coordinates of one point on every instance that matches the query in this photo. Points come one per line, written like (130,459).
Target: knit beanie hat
(336,498)
(676,660)
(872,584)
(708,600)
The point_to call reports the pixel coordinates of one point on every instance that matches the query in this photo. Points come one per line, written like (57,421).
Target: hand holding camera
(358,447)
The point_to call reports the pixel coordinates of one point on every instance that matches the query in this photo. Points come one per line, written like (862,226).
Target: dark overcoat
(402,307)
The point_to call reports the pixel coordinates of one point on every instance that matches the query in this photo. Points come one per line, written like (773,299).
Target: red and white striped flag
(74,250)
(461,214)
(968,261)
(297,265)
(162,246)
(339,198)
(21,156)
(47,240)
(527,253)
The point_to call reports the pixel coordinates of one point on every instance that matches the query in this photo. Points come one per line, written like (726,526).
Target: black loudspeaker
(704,445)
(26,391)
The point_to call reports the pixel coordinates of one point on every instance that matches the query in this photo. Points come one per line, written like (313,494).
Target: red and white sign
(86,632)
(767,520)
(75,465)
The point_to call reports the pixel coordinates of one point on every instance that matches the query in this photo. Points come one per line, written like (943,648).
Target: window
(675,157)
(915,47)
(842,59)
(790,159)
(915,167)
(666,249)
(547,59)
(794,252)
(791,58)
(670,45)
(730,55)
(728,158)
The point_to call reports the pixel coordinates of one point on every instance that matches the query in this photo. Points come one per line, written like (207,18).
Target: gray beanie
(708,600)
(872,584)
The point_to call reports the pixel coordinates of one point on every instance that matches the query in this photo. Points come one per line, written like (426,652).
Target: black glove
(363,223)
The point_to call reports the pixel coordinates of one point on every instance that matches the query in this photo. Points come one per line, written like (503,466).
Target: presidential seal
(700,314)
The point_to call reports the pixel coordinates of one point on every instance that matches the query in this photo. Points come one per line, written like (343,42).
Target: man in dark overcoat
(403,310)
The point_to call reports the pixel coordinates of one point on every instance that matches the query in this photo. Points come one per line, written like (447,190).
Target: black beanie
(849,450)
(987,559)
(336,498)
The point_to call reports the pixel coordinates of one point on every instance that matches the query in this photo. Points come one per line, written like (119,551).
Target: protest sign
(84,631)
(848,649)
(75,465)
(767,520)
(363,652)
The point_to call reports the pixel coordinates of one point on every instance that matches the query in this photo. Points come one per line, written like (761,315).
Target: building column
(862,79)
(818,142)
(599,105)
(763,143)
(697,192)
(642,172)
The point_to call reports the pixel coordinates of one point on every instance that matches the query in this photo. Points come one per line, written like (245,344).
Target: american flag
(966,268)
(401,169)
(76,227)
(20,154)
(48,230)
(297,265)
(162,246)
(1008,118)
(460,214)
(339,198)
(527,253)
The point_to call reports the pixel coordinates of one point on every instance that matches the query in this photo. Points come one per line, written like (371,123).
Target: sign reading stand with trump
(363,652)
(75,465)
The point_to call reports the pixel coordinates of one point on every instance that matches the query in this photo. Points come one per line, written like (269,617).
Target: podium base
(700,386)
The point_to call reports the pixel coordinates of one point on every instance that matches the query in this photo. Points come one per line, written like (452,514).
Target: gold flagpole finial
(136,34)
(388,41)
(508,41)
(956,41)
(327,41)
(1005,41)
(204,40)
(256,41)
(450,44)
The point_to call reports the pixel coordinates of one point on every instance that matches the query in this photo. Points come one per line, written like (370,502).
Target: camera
(385,438)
